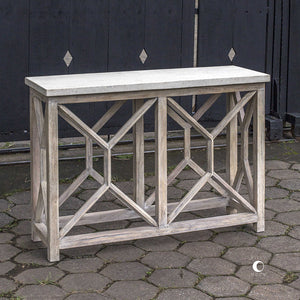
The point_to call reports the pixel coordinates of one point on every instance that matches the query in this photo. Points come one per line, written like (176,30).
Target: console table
(49,98)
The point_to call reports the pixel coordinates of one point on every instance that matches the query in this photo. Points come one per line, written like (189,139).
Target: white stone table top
(128,81)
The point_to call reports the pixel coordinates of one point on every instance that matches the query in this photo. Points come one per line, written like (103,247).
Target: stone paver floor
(212,264)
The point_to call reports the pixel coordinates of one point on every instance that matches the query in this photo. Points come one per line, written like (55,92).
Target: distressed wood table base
(159,215)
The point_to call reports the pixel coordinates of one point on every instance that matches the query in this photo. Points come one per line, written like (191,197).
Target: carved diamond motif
(68,58)
(231,54)
(143,56)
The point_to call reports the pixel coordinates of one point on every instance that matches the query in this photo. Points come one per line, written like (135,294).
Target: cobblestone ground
(211,264)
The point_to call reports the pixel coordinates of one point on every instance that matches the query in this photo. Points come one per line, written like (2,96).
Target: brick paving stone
(188,184)
(296,167)
(81,230)
(224,286)
(4,205)
(110,225)
(175,193)
(21,211)
(276,164)
(20,197)
(269,275)
(186,216)
(194,236)
(125,271)
(232,298)
(23,227)
(170,259)
(7,251)
(81,265)
(125,186)
(296,284)
(180,294)
(81,251)
(275,192)
(103,206)
(163,243)
(187,175)
(38,256)
(6,266)
(282,205)
(295,232)
(33,276)
(150,181)
(5,237)
(269,214)
(291,184)
(45,292)
(129,290)
(235,239)
(63,187)
(5,219)
(296,196)
(90,184)
(270,181)
(88,296)
(25,242)
(201,249)
(274,292)
(172,278)
(288,261)
(120,253)
(212,266)
(289,218)
(247,255)
(84,282)
(87,194)
(278,244)
(6,285)
(273,228)
(72,203)
(284,174)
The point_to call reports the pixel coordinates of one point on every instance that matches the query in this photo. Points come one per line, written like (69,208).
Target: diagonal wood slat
(189,119)
(233,193)
(133,119)
(108,115)
(73,186)
(83,209)
(218,129)
(131,204)
(206,106)
(171,177)
(188,197)
(79,125)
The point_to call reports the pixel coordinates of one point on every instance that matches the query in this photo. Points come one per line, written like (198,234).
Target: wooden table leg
(161,176)
(138,156)
(35,153)
(52,181)
(231,145)
(259,158)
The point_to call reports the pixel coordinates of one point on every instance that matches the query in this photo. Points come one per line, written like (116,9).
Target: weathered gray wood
(189,119)
(259,158)
(97,176)
(161,168)
(83,209)
(231,114)
(41,230)
(233,193)
(73,187)
(108,115)
(138,156)
(134,118)
(127,214)
(171,177)
(79,125)
(146,232)
(88,153)
(131,204)
(210,156)
(107,167)
(52,182)
(156,93)
(34,164)
(188,197)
